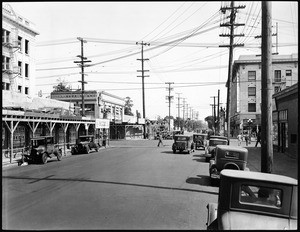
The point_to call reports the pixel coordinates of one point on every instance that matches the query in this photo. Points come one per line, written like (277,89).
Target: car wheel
(174,151)
(44,158)
(72,150)
(59,155)
(207,159)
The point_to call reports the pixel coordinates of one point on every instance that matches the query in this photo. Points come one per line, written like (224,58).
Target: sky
(183,50)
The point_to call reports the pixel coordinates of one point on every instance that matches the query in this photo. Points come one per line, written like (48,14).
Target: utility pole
(143,84)
(81,64)
(183,111)
(274,34)
(178,106)
(169,98)
(218,113)
(214,112)
(266,89)
(231,25)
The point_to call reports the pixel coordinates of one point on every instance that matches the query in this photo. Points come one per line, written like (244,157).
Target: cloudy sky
(184,47)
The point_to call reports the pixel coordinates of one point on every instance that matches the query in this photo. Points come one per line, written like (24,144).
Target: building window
(251,107)
(26,90)
(26,46)
(20,42)
(277,77)
(7,86)
(20,88)
(288,73)
(26,70)
(5,63)
(5,36)
(20,67)
(251,75)
(277,89)
(251,91)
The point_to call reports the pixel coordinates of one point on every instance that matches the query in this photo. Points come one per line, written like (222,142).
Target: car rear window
(257,195)
(217,142)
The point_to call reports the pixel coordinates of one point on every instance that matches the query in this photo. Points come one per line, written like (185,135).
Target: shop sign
(102,123)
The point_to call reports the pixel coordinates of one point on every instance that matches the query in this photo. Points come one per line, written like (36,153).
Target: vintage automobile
(41,149)
(183,143)
(84,145)
(200,140)
(254,201)
(213,141)
(227,157)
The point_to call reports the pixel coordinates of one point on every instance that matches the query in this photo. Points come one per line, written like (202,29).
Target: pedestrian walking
(247,140)
(240,138)
(160,140)
(258,138)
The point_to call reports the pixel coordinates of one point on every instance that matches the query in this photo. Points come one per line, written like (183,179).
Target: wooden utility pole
(81,64)
(143,84)
(169,98)
(214,113)
(266,90)
(231,24)
(178,109)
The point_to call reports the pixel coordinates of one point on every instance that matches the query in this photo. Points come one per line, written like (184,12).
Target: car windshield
(217,142)
(250,194)
(37,142)
(85,138)
(182,138)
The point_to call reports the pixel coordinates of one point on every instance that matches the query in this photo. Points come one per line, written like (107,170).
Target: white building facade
(18,53)
(246,88)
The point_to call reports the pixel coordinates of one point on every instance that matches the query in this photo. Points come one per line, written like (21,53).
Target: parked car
(183,143)
(227,157)
(254,201)
(200,140)
(41,149)
(84,145)
(213,141)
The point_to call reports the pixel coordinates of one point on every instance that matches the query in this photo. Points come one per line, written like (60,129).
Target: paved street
(131,185)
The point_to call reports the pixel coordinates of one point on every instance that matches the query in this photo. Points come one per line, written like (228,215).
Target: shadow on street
(199,180)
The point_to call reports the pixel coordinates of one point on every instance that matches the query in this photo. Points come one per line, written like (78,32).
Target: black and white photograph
(150,115)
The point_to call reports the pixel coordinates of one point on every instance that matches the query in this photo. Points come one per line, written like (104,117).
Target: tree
(210,121)
(128,106)
(61,86)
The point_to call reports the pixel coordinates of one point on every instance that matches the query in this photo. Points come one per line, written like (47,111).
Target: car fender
(231,165)
(212,212)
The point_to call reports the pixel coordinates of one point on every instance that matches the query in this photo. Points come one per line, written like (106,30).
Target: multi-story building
(18,42)
(285,121)
(246,88)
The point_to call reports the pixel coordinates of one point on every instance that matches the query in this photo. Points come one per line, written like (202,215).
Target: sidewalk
(6,161)
(282,164)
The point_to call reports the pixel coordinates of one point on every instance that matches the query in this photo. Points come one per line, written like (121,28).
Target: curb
(6,163)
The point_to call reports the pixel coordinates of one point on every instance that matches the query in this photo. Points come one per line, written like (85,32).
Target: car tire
(59,155)
(207,159)
(44,158)
(174,151)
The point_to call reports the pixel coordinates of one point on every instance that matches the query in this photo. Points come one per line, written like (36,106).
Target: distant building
(246,88)
(286,121)
(18,58)
(97,104)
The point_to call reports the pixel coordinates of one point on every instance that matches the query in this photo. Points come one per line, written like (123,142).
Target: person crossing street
(160,140)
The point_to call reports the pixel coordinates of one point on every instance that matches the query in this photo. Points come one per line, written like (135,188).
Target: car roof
(250,175)
(183,135)
(41,137)
(232,148)
(218,136)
